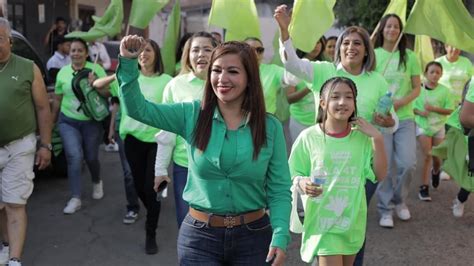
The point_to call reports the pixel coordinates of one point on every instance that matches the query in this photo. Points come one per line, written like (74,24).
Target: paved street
(96,236)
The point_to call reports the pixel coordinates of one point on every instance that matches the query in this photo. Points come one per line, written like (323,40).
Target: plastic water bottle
(383,107)
(162,191)
(385,104)
(318,177)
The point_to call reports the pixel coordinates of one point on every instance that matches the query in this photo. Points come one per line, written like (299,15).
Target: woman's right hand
(159,179)
(131,46)
(367,128)
(282,17)
(309,188)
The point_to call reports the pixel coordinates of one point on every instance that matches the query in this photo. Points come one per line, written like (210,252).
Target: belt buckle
(229,221)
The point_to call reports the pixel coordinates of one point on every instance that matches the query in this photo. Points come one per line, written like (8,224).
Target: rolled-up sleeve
(166,142)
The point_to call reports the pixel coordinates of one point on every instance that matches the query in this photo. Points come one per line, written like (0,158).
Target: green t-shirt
(271,77)
(470,92)
(455,75)
(152,88)
(335,224)
(371,86)
(304,110)
(63,86)
(398,79)
(183,88)
(453,119)
(438,97)
(223,179)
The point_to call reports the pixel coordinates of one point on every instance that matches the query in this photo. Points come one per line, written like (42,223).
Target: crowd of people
(224,123)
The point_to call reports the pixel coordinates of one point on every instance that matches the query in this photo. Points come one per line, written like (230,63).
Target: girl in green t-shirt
(432,108)
(400,68)
(343,150)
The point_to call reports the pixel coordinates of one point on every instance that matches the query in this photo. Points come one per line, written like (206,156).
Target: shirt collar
(340,67)
(61,56)
(218,116)
(191,77)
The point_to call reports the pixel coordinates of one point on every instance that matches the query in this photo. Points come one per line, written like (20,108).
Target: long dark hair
(253,105)
(402,45)
(325,94)
(158,63)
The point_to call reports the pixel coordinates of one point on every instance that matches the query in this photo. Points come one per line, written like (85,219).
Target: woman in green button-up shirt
(237,158)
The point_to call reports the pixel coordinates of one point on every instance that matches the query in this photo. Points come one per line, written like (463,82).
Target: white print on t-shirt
(457,79)
(340,156)
(336,205)
(434,120)
(335,211)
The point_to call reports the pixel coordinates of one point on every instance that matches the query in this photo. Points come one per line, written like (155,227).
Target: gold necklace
(6,64)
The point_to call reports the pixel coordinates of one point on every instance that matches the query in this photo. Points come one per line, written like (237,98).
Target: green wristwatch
(49,147)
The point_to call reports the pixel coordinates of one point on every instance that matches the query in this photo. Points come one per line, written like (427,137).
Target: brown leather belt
(226,221)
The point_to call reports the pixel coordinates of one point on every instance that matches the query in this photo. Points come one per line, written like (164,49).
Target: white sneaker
(458,208)
(97,190)
(14,263)
(444,176)
(73,205)
(4,255)
(386,221)
(111,147)
(402,212)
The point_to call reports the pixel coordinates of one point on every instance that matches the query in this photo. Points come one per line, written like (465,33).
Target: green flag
(310,20)
(423,50)
(87,36)
(110,24)
(276,46)
(398,7)
(168,52)
(447,21)
(238,17)
(454,150)
(143,11)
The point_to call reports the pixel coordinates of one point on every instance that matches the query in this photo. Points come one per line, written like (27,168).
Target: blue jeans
(200,244)
(180,176)
(130,192)
(370,189)
(80,139)
(401,146)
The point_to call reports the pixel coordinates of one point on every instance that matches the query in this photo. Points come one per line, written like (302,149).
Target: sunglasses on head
(260,50)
